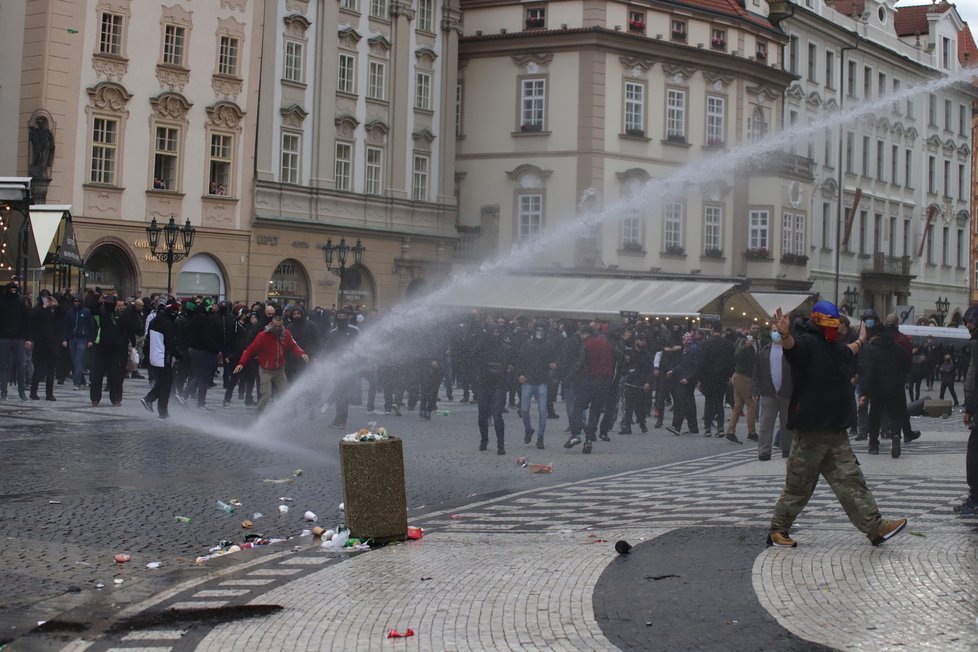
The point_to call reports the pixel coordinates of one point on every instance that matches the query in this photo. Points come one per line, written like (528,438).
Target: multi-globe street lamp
(333,254)
(169,255)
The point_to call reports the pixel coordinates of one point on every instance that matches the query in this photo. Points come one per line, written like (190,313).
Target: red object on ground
(122,558)
(396,634)
(414,532)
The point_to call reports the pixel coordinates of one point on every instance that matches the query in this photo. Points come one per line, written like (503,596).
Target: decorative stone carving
(814,100)
(423,139)
(529,172)
(302,6)
(293,116)
(451,19)
(172,77)
(109,67)
(170,106)
(227,115)
(226,87)
(717,81)
(911,134)
(114,6)
(296,26)
(763,93)
(522,60)
(178,16)
(109,96)
(636,66)
(237,5)
(794,93)
(678,74)
(831,105)
(349,37)
(379,45)
(404,9)
(633,173)
(426,58)
(377,131)
(346,124)
(230,26)
(934,143)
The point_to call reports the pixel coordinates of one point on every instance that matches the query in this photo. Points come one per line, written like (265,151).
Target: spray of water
(398,335)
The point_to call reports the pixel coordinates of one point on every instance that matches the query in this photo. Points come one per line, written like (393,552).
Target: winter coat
(821,396)
(79,324)
(271,348)
(534,360)
(883,366)
(14,317)
(162,337)
(762,384)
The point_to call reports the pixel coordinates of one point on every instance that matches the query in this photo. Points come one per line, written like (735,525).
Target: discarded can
(342,507)
(284,509)
(310,516)
(318,532)
(246,524)
(414,532)
(183,519)
(235,502)
(224,507)
(122,558)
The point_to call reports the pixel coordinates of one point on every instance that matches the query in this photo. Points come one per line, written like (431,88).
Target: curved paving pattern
(520,571)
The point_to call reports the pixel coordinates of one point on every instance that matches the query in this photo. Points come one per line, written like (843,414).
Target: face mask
(870,323)
(775,337)
(831,334)
(539,335)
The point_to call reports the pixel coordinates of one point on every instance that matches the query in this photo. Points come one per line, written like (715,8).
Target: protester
(270,347)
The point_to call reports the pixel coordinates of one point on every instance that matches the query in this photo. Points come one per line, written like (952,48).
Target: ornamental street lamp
(942,305)
(340,253)
(169,256)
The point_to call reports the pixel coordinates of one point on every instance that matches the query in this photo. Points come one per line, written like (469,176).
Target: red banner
(852,218)
(931,212)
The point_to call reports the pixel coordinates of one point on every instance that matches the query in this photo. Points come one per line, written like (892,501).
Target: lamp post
(17,190)
(340,253)
(942,305)
(169,255)
(851,295)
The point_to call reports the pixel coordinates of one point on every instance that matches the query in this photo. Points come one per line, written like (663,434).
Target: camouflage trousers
(826,453)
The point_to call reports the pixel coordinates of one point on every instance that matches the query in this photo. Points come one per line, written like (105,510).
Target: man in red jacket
(271,346)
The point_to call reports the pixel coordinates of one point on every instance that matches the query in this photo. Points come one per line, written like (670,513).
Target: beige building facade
(590,103)
(150,109)
(356,144)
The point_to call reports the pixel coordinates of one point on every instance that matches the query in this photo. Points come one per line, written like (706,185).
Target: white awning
(771,301)
(45,220)
(585,296)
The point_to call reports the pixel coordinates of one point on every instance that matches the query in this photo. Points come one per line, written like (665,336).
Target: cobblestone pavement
(519,571)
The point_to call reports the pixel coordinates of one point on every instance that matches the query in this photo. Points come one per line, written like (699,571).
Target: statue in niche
(42,149)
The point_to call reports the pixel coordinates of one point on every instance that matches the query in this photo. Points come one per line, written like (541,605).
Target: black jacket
(883,366)
(821,397)
(14,317)
(202,333)
(534,360)
(717,353)
(47,327)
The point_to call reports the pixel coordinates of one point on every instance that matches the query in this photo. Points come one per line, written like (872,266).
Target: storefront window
(289,284)
(357,287)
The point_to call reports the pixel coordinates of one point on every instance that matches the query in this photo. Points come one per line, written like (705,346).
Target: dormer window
(536,18)
(718,38)
(678,30)
(636,21)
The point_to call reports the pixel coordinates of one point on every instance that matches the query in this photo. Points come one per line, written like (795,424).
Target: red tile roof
(967,48)
(848,7)
(912,20)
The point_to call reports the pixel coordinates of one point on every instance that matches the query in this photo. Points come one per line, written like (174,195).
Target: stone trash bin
(373,489)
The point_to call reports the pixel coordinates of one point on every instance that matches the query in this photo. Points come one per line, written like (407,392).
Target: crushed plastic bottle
(183,519)
(310,516)
(443,413)
(283,509)
(224,507)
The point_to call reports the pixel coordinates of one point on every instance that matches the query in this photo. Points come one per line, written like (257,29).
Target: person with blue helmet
(820,412)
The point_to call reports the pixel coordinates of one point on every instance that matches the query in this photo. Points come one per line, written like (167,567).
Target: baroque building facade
(892,204)
(573,107)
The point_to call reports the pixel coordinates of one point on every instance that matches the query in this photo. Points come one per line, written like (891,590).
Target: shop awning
(605,297)
(47,222)
(771,301)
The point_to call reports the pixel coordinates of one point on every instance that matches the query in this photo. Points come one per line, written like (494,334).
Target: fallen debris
(393,633)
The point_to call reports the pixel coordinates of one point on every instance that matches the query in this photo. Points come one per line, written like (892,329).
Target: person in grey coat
(771,389)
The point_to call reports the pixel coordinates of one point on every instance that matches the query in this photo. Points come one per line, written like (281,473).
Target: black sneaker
(484,446)
(914,434)
(862,437)
(553,415)
(752,436)
(895,447)
(540,443)
(528,436)
(644,429)
(707,432)
(674,430)
(180,399)
(874,450)
(625,430)
(587,447)
(500,450)
(967,508)
(732,438)
(146,404)
(658,424)
(572,442)
(604,437)
(397,411)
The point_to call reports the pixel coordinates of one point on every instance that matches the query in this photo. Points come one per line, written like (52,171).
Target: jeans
(540,392)
(11,365)
(77,350)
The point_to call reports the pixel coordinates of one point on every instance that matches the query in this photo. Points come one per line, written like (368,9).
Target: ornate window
(343,169)
(377,80)
(634,108)
(715,121)
(425,16)
(758,230)
(378,9)
(533,104)
(227,56)
(107,118)
(294,62)
(374,171)
(111,38)
(105,150)
(420,181)
(529,216)
(174,43)
(291,157)
(672,219)
(675,115)
(713,229)
(169,123)
(347,74)
(223,128)
(422,94)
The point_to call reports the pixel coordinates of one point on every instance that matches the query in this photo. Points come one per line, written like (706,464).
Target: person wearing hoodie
(79,337)
(238,340)
(820,412)
(881,377)
(163,350)
(686,375)
(306,335)
(112,341)
(47,334)
(204,351)
(14,326)
(270,346)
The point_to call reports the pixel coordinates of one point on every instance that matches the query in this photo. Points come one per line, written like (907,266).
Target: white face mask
(539,335)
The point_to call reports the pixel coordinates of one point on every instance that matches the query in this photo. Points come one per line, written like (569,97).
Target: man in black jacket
(14,327)
(112,341)
(493,360)
(204,351)
(536,364)
(163,351)
(718,365)
(881,377)
(636,382)
(821,412)
(46,336)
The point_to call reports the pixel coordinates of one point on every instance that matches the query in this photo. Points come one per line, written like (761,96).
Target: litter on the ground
(310,516)
(414,532)
(54,502)
(286,499)
(297,472)
(622,547)
(278,480)
(393,633)
(118,580)
(153,565)
(541,468)
(521,462)
(246,524)
(121,558)
(284,509)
